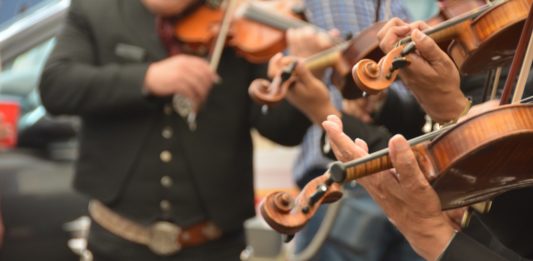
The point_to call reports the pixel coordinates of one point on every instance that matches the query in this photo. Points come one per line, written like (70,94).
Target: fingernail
(417,35)
(329,125)
(398,143)
(359,142)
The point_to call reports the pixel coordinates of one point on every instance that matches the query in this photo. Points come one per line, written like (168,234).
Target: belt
(162,237)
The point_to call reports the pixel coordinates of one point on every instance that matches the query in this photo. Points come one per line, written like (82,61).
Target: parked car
(37,201)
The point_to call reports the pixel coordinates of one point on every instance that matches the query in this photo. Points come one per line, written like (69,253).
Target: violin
(482,39)
(366,44)
(257,28)
(269,93)
(454,159)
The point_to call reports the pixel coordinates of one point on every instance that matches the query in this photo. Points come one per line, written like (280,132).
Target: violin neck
(260,15)
(374,163)
(379,160)
(449,29)
(327,57)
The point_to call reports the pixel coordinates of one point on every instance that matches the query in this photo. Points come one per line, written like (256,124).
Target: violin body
(254,41)
(484,156)
(489,40)
(474,161)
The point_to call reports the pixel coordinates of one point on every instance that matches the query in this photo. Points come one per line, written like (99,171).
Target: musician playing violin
(374,238)
(505,233)
(160,189)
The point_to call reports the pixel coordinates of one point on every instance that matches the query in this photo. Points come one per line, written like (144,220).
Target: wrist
(320,113)
(433,241)
(447,109)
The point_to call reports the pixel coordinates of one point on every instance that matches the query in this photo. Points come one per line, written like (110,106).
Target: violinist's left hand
(306,92)
(307,41)
(431,76)
(404,193)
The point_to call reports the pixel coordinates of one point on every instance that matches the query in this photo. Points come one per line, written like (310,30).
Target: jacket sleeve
(74,83)
(281,123)
(376,137)
(465,248)
(401,112)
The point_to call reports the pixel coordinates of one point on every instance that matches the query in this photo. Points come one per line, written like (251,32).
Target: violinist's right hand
(186,75)
(431,76)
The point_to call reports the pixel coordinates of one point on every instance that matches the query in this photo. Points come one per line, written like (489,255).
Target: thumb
(404,161)
(428,48)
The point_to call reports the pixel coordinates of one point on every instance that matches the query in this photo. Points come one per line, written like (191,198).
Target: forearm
(283,123)
(81,89)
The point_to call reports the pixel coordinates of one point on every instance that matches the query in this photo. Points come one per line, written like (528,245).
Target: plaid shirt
(348,16)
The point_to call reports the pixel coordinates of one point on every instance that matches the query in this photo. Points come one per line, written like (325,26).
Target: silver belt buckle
(164,238)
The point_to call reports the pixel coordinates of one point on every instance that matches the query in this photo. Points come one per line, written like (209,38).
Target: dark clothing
(97,71)
(505,233)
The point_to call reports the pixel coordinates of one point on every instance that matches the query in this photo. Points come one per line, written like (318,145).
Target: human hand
(185,75)
(305,91)
(431,76)
(363,108)
(306,41)
(480,108)
(404,193)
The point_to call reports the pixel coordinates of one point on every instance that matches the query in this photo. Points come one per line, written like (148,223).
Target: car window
(12,10)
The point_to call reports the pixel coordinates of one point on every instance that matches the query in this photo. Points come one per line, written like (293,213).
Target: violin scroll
(288,215)
(268,93)
(373,77)
(265,92)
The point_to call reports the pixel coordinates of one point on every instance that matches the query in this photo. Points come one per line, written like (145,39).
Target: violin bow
(518,59)
(220,41)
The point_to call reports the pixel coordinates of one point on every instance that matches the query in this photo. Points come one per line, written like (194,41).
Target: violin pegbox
(287,215)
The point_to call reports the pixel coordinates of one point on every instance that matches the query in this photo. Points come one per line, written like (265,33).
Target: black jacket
(505,233)
(97,71)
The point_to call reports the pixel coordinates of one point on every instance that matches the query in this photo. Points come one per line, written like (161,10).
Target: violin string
(527,100)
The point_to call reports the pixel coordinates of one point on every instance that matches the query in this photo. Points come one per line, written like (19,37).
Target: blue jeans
(361,232)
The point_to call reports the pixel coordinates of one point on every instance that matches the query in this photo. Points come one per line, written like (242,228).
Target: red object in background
(9,115)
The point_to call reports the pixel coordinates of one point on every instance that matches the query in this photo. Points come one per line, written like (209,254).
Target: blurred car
(36,198)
